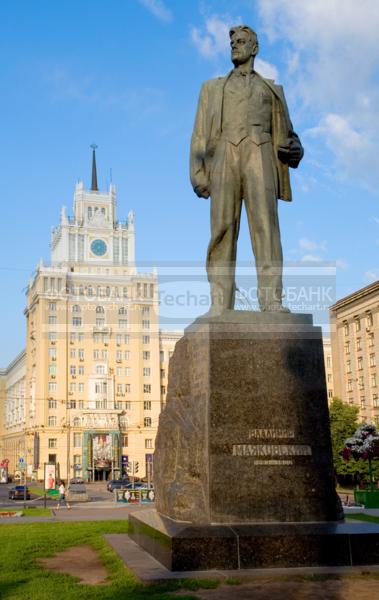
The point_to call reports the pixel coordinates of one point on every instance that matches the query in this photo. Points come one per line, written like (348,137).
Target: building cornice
(355,296)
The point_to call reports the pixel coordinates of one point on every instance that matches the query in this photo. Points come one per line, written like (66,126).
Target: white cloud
(332,56)
(212,42)
(306,244)
(341,263)
(372,275)
(311,258)
(158,9)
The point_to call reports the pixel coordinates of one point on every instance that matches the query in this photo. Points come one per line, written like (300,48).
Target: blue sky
(126,74)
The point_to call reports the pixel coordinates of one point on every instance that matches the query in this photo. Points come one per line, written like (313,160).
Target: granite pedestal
(243,462)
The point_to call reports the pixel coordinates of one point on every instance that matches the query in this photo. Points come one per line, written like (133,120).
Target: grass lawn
(363,517)
(22,578)
(36,512)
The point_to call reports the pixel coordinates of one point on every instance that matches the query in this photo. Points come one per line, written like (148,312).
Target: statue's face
(242,47)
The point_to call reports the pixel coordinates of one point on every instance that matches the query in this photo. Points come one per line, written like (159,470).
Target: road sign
(21,460)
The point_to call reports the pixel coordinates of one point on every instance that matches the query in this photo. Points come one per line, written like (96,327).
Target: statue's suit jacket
(208,129)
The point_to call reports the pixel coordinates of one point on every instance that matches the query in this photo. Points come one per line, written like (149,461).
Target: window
(360,363)
(52,352)
(328,362)
(369,320)
(146,339)
(147,422)
(125,292)
(359,346)
(76,308)
(373,380)
(346,328)
(361,382)
(118,339)
(104,354)
(52,320)
(146,355)
(145,290)
(52,336)
(72,352)
(161,355)
(123,323)
(128,371)
(148,443)
(81,387)
(81,370)
(126,339)
(72,337)
(357,324)
(72,370)
(372,360)
(77,460)
(330,394)
(147,388)
(127,354)
(119,355)
(347,347)
(52,369)
(52,442)
(146,371)
(45,284)
(145,324)
(119,371)
(349,385)
(100,322)
(52,459)
(122,310)
(52,386)
(77,321)
(76,422)
(100,369)
(96,354)
(71,404)
(163,373)
(370,340)
(375,400)
(90,290)
(101,404)
(72,387)
(81,353)
(52,404)
(127,388)
(151,290)
(348,366)
(363,402)
(147,405)
(77,440)
(163,390)
(52,306)
(329,378)
(124,440)
(52,421)
(119,388)
(145,310)
(100,309)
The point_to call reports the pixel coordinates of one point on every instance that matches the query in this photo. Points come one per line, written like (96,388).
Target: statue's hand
(292,153)
(202,191)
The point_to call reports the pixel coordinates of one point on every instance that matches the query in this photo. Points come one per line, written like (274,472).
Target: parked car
(138,485)
(18,493)
(76,480)
(113,484)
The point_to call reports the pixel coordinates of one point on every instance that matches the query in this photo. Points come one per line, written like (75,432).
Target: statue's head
(243,43)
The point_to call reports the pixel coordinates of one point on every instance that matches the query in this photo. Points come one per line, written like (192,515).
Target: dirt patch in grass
(78,561)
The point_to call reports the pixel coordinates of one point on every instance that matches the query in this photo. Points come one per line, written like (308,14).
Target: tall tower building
(93,383)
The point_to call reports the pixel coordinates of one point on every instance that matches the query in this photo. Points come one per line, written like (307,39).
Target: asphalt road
(97,492)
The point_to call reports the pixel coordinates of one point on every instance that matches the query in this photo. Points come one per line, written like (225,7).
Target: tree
(343,424)
(363,444)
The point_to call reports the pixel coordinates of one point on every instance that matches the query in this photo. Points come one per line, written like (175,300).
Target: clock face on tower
(98,247)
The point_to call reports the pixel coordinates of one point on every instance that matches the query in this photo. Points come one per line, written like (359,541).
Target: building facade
(94,382)
(328,363)
(355,349)
(13,413)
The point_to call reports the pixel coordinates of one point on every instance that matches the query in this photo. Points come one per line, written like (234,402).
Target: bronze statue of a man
(242,145)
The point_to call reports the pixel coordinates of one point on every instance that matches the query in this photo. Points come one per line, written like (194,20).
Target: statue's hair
(253,36)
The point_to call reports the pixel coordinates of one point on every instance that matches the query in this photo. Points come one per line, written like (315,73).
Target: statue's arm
(292,153)
(198,174)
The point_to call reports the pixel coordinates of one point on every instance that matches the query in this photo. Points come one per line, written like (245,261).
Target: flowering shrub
(363,444)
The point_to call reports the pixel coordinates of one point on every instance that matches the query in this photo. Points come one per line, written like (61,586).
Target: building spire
(94,187)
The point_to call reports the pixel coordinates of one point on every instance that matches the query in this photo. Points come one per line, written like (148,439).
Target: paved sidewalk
(79,513)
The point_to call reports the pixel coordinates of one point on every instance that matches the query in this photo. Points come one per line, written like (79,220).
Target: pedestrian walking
(62,496)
